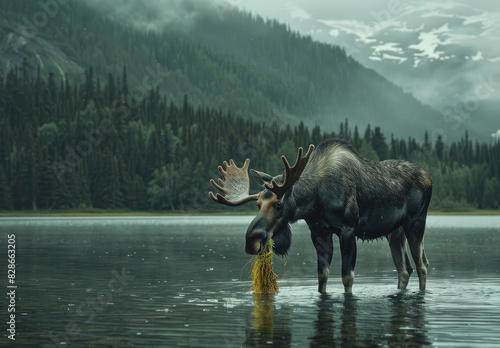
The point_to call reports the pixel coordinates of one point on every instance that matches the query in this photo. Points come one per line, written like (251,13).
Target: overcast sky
(436,50)
(335,9)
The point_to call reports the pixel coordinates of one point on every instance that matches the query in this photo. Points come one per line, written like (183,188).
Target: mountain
(443,53)
(78,37)
(337,85)
(229,60)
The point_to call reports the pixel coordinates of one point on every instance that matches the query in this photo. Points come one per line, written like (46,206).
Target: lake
(184,281)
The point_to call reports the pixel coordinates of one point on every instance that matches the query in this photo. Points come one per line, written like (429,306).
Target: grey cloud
(156,14)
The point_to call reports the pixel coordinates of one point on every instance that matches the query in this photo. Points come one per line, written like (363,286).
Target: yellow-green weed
(263,276)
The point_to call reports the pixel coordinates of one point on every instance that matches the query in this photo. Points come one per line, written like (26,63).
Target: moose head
(275,202)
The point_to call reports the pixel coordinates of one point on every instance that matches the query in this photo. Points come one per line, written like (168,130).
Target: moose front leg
(348,252)
(397,242)
(324,248)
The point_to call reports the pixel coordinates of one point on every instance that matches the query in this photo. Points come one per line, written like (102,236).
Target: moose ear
(260,177)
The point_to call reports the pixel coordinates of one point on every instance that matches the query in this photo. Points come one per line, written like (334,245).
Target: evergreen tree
(439,147)
(47,183)
(124,82)
(368,134)
(490,198)
(162,189)
(137,195)
(367,151)
(393,148)
(379,145)
(356,140)
(5,196)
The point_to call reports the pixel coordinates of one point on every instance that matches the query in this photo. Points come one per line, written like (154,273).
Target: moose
(336,191)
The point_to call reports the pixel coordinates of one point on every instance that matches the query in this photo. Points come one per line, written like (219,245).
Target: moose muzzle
(256,235)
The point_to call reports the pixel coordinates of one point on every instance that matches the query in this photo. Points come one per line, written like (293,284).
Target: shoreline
(96,213)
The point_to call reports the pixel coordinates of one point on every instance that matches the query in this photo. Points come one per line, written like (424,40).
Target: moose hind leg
(397,243)
(324,249)
(414,231)
(348,252)
(426,261)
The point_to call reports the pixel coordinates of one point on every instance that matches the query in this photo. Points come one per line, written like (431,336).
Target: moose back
(336,191)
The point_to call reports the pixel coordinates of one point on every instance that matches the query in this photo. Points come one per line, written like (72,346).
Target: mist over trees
(241,64)
(67,146)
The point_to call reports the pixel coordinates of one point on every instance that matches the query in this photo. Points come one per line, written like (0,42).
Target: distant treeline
(66,146)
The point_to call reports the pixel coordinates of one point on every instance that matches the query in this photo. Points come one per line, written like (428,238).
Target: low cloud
(158,14)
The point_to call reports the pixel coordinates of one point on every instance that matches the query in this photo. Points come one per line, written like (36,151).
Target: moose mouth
(255,245)
(282,242)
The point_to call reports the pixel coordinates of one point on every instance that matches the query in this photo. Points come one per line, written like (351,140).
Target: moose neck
(300,203)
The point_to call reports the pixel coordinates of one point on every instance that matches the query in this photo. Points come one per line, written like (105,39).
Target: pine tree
(367,151)
(439,147)
(5,196)
(368,134)
(394,148)
(137,195)
(427,147)
(162,189)
(47,183)
(356,140)
(379,145)
(124,82)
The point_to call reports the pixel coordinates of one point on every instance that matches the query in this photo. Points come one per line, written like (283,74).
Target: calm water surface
(183,281)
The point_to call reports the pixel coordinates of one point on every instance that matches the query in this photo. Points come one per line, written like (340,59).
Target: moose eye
(279,205)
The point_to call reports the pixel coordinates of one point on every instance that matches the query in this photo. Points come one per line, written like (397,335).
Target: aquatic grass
(262,274)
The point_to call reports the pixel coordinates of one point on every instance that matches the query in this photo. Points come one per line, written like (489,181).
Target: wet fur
(282,241)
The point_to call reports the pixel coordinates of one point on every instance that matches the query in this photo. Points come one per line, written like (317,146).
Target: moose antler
(235,185)
(291,175)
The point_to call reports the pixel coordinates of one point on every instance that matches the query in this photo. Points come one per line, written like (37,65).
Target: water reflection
(268,324)
(408,325)
(324,325)
(348,327)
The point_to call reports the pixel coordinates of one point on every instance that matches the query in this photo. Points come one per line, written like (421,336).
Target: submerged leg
(324,249)
(348,251)
(414,231)
(397,243)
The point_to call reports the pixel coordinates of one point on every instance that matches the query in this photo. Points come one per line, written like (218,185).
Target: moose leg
(397,242)
(348,252)
(324,248)
(426,261)
(414,231)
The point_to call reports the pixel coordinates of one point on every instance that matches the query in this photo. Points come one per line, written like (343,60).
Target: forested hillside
(335,85)
(77,37)
(64,145)
(237,63)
